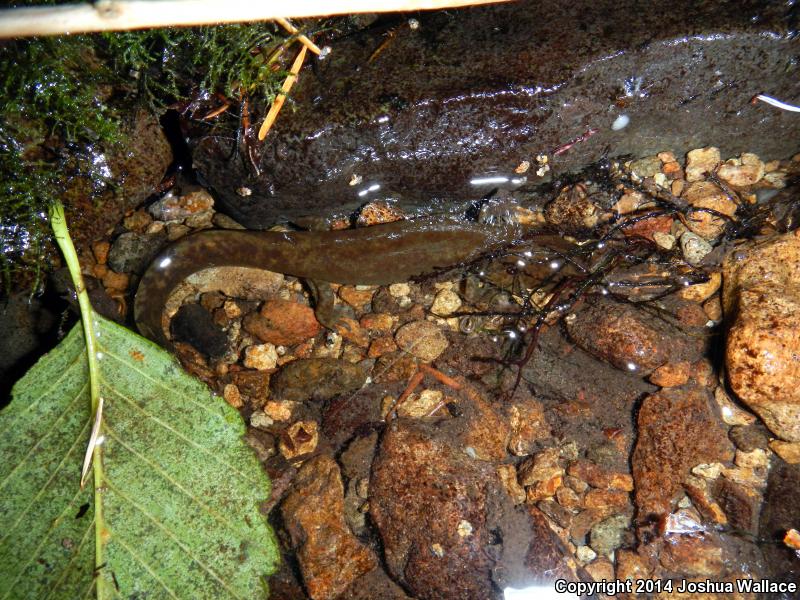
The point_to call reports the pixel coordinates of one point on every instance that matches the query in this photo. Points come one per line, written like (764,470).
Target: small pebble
(261,357)
(446,303)
(694,248)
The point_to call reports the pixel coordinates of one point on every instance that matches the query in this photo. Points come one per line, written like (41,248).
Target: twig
(294,30)
(277,104)
(124,15)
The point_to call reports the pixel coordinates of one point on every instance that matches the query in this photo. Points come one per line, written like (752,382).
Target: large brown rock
(678,429)
(330,556)
(448,527)
(630,338)
(761,298)
(477,91)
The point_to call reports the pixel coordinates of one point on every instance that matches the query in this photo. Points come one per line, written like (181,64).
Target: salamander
(376,255)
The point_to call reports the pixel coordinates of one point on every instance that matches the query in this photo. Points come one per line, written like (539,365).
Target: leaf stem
(59,224)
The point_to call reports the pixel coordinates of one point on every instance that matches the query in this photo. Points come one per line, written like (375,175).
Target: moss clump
(64,98)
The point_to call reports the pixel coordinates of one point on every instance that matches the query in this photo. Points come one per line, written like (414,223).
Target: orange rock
(378,321)
(329,555)
(100,250)
(671,374)
(606,499)
(706,195)
(282,322)
(598,477)
(116,281)
(356,298)
(647,227)
(762,354)
(299,439)
(381,346)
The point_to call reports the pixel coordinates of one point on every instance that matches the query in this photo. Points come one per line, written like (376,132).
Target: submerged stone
(449,111)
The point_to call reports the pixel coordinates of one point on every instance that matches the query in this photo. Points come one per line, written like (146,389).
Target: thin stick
(123,15)
(281,97)
(292,29)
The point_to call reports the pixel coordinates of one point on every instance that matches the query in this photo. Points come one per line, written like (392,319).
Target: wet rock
(609,534)
(741,505)
(194,325)
(598,477)
(262,357)
(748,437)
(421,405)
(677,430)
(671,374)
(528,426)
(572,211)
(700,162)
(645,167)
(395,366)
(177,208)
(788,451)
(299,439)
(375,584)
(282,322)
(330,557)
(700,292)
(629,338)
(417,485)
(253,384)
(133,252)
(508,477)
(317,379)
(706,195)
(442,515)
(741,172)
(422,339)
(357,298)
(543,468)
(761,297)
(445,303)
(694,248)
(334,133)
(649,228)
(693,555)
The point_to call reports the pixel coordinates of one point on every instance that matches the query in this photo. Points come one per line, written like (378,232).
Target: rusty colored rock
(418,489)
(671,374)
(648,228)
(598,477)
(329,555)
(572,211)
(355,297)
(678,429)
(299,439)
(693,555)
(761,295)
(282,322)
(629,338)
(382,345)
(440,513)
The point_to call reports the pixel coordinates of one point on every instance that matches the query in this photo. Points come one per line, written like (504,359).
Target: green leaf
(173,511)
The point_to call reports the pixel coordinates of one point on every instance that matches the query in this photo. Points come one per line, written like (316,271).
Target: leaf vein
(172,536)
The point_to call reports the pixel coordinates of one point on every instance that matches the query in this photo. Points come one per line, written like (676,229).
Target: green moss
(64,98)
